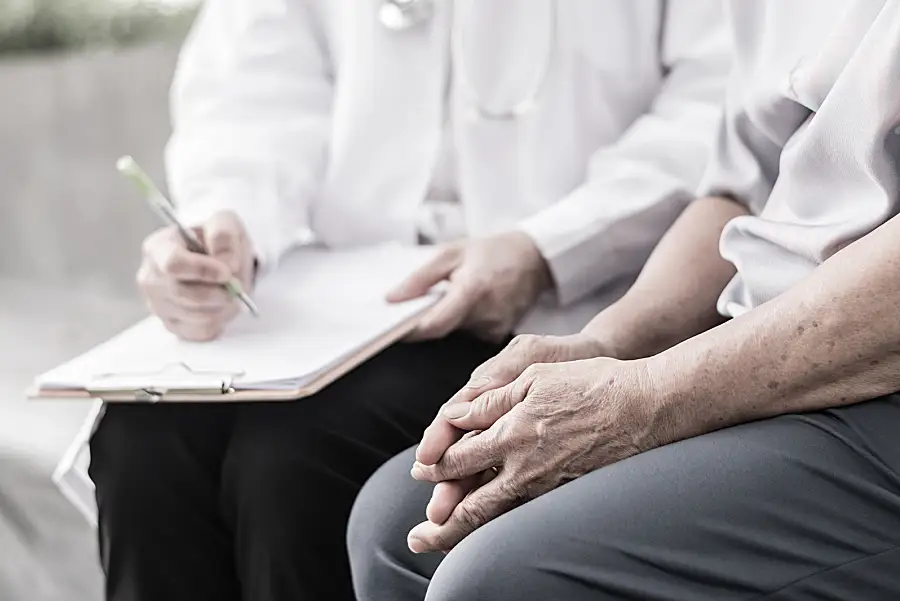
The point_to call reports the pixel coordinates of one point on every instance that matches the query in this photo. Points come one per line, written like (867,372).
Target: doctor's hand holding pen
(186,289)
(493,282)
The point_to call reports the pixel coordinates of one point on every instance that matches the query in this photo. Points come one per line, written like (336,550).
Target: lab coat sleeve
(251,104)
(636,188)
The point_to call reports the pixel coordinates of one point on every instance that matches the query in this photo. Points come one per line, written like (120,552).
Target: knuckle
(189,335)
(478,283)
(438,326)
(490,368)
(470,434)
(512,492)
(192,295)
(522,340)
(204,332)
(512,434)
(450,465)
(466,282)
(555,349)
(506,370)
(537,370)
(485,367)
(206,272)
(428,330)
(143,277)
(504,434)
(201,313)
(526,344)
(489,403)
(148,245)
(472,513)
(539,347)
(223,241)
(532,372)
(443,541)
(174,263)
(523,427)
(205,296)
(151,242)
(516,341)
(175,326)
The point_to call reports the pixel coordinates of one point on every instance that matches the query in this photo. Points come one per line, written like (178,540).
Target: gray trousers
(801,507)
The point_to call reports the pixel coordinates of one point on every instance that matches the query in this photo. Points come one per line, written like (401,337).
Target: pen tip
(254,310)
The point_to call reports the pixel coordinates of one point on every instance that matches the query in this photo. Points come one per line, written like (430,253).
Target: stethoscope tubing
(401,15)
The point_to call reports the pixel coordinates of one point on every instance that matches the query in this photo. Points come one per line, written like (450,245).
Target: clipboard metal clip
(176,379)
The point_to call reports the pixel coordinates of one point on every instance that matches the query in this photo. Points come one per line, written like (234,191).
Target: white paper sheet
(316,309)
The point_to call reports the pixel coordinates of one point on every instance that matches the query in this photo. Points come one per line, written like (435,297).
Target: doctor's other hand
(493,282)
(184,289)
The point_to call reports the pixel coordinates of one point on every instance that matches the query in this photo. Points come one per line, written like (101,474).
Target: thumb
(223,234)
(486,409)
(420,281)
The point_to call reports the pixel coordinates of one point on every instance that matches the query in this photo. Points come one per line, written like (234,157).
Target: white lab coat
(311,120)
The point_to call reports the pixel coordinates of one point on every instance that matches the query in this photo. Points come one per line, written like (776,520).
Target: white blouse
(809,141)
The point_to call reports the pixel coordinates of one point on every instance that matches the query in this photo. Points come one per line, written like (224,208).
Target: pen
(165,209)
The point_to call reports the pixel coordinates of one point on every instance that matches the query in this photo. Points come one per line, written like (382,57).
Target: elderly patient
(690,459)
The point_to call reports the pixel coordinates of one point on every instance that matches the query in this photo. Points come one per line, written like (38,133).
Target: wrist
(583,346)
(603,338)
(616,330)
(639,325)
(690,392)
(670,401)
(537,267)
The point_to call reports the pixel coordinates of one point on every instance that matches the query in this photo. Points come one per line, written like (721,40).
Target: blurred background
(81,83)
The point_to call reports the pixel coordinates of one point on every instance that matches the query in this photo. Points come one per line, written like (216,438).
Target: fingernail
(415,545)
(417,472)
(479,382)
(456,411)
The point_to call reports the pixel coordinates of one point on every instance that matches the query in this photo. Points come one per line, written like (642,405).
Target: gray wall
(70,233)
(66,216)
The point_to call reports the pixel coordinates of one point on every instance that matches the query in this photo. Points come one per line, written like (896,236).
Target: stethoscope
(403,15)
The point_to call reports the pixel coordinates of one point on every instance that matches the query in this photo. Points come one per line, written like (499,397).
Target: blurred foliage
(44,25)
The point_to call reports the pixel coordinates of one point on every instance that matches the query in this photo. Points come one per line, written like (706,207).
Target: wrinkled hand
(523,352)
(492,283)
(184,289)
(554,423)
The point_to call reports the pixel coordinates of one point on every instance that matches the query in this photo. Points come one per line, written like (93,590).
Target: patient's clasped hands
(543,412)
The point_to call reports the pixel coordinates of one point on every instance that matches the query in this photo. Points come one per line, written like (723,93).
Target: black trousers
(796,508)
(251,501)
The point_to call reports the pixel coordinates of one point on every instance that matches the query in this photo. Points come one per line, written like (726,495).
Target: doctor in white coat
(546,144)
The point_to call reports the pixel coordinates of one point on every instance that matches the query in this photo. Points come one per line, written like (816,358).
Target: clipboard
(323,313)
(178,382)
